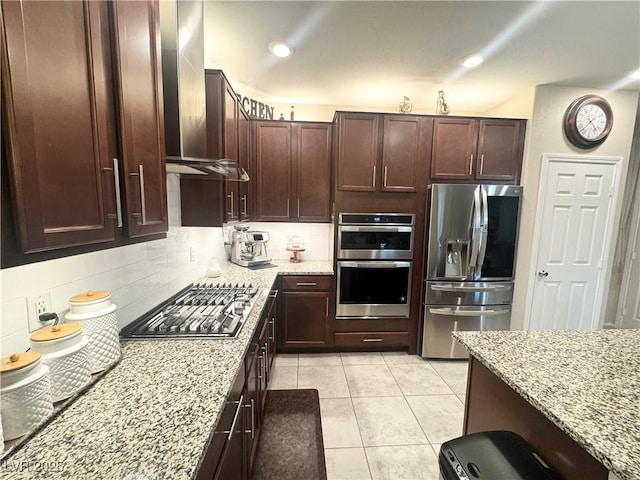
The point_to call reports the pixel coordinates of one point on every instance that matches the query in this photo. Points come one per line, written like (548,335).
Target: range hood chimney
(182,34)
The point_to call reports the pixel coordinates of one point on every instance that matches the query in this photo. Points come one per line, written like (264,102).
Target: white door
(576,201)
(629,305)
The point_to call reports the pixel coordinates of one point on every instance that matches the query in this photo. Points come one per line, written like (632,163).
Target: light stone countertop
(152,415)
(586,382)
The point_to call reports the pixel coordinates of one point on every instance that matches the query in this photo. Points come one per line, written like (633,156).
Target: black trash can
(497,455)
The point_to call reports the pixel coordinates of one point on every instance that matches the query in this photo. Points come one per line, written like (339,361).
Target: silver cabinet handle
(244,201)
(143,203)
(253,420)
(306,284)
(374,176)
(481,163)
(235,418)
(116,180)
(384,182)
(260,358)
(471,164)
(368,340)
(273,294)
(272,338)
(230,197)
(287,207)
(298,209)
(326,311)
(266,361)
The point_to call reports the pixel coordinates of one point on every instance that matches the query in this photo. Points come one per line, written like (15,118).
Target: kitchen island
(574,395)
(151,416)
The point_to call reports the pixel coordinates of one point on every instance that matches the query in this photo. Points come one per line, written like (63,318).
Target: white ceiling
(371,54)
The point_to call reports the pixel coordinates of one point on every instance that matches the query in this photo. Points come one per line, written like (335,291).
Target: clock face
(587,121)
(591,121)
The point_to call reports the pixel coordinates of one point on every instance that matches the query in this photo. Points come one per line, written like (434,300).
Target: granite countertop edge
(139,419)
(479,345)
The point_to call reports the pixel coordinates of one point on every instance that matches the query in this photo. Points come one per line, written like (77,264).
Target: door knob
(543,273)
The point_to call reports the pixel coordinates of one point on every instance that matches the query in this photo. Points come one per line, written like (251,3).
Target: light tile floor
(384,415)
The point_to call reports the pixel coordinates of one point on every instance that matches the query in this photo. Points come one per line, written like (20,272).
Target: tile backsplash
(138,276)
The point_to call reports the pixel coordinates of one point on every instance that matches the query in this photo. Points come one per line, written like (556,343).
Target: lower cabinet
(305,306)
(231,453)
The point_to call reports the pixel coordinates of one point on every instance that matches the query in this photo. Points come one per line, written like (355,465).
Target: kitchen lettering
(255,109)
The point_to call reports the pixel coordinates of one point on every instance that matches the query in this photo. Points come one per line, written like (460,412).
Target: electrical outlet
(37,305)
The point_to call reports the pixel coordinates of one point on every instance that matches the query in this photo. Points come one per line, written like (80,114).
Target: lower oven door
(373,289)
(441,320)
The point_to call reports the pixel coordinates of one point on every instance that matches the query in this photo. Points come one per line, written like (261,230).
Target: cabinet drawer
(371,338)
(306,282)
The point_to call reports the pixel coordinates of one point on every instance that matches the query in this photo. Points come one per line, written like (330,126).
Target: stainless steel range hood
(182,32)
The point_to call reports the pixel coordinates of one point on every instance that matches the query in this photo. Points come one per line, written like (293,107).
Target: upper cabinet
(141,128)
(477,149)
(292,171)
(228,137)
(381,152)
(82,121)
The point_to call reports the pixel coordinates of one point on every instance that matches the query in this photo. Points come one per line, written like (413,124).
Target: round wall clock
(587,121)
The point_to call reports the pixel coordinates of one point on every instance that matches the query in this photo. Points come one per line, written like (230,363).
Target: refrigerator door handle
(467,313)
(463,288)
(476,231)
(484,231)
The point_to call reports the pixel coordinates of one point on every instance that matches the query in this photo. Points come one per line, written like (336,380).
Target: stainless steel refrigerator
(472,240)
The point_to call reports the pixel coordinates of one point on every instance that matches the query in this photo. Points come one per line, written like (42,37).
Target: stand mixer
(249,247)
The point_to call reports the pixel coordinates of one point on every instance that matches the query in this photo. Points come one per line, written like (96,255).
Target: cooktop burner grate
(202,310)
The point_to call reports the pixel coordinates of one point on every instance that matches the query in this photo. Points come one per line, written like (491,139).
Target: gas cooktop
(202,310)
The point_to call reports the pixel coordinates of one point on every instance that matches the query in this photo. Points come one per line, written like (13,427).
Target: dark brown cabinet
(227,137)
(82,121)
(141,129)
(473,149)
(381,153)
(304,319)
(292,171)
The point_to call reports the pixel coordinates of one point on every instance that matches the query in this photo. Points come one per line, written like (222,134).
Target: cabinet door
(357,152)
(137,52)
(313,172)
(272,171)
(305,319)
(59,122)
(453,148)
(242,188)
(401,153)
(231,150)
(500,148)
(251,406)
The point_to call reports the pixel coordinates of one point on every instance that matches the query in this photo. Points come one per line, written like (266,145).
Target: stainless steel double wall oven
(375,252)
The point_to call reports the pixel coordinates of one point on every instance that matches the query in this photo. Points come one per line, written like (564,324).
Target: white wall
(138,276)
(545,135)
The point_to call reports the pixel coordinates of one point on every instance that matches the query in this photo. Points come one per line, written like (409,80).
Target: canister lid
(55,332)
(19,360)
(90,296)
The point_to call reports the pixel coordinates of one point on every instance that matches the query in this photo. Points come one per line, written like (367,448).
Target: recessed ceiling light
(635,74)
(472,61)
(280,49)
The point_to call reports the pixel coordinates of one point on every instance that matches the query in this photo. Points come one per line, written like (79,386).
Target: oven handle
(468,313)
(374,228)
(391,264)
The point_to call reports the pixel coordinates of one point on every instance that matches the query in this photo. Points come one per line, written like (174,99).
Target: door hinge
(611,191)
(634,255)
(600,264)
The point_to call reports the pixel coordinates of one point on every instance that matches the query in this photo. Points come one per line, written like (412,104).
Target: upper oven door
(384,242)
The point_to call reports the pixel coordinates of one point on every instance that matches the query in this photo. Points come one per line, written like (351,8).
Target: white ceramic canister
(64,351)
(25,393)
(97,315)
